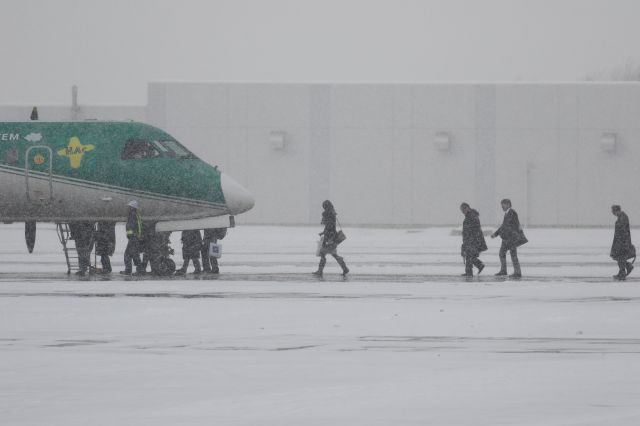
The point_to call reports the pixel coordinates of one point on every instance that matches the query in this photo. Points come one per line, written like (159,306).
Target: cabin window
(139,148)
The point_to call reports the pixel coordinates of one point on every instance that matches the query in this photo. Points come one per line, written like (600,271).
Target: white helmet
(133,204)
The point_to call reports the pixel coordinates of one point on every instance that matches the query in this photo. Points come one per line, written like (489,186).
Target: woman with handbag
(330,239)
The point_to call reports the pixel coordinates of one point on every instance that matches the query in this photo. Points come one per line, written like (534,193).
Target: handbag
(340,236)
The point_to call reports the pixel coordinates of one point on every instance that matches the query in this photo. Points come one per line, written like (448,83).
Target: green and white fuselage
(72,171)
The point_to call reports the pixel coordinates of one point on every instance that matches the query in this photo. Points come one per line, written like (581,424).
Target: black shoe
(480,268)
(81,273)
(619,277)
(345,271)
(629,268)
(180,272)
(125,272)
(197,271)
(515,275)
(215,271)
(469,275)
(501,274)
(317,273)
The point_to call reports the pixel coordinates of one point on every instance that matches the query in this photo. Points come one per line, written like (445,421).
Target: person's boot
(516,271)
(480,266)
(629,268)
(468,270)
(343,265)
(503,268)
(126,272)
(323,261)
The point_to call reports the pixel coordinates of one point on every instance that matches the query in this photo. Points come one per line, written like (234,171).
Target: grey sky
(112,48)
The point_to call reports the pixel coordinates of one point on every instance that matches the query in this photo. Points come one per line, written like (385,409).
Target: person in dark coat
(134,237)
(473,242)
(191,245)
(329,243)
(82,234)
(105,244)
(512,237)
(622,249)
(211,235)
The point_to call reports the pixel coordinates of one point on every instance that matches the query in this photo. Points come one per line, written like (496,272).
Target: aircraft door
(38,171)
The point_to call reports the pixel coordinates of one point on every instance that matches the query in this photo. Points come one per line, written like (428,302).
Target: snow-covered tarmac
(402,341)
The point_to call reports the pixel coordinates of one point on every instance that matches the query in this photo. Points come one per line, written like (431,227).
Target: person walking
(191,245)
(211,235)
(82,234)
(622,249)
(134,237)
(473,242)
(512,238)
(105,244)
(329,241)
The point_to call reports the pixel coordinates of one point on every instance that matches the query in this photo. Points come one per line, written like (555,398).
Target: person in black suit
(512,237)
(472,240)
(622,249)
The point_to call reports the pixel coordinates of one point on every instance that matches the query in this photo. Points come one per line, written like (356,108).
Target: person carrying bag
(330,239)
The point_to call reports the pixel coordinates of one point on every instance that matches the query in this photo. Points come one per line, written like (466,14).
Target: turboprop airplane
(66,172)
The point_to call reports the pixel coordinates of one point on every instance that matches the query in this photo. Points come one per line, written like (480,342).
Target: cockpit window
(139,148)
(172,149)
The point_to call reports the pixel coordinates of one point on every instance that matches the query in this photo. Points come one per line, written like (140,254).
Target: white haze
(111,49)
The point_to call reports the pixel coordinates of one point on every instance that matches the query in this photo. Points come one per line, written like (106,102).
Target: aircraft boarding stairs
(69,247)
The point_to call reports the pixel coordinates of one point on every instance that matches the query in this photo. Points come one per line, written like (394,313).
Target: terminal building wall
(408,154)
(405,154)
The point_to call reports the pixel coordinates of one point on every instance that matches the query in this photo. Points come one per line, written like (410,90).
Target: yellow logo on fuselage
(39,159)
(74,151)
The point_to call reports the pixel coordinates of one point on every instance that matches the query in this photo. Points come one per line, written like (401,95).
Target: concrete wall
(371,148)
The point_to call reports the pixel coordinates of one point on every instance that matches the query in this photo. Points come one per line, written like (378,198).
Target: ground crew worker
(134,237)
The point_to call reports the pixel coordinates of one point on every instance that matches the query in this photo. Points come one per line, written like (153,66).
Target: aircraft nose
(238,199)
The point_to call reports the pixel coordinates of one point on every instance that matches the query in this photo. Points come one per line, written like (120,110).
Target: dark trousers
(132,253)
(84,258)
(334,253)
(106,263)
(502,254)
(470,262)
(196,263)
(210,264)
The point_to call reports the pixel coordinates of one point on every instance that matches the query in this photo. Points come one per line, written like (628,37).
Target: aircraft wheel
(166,266)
